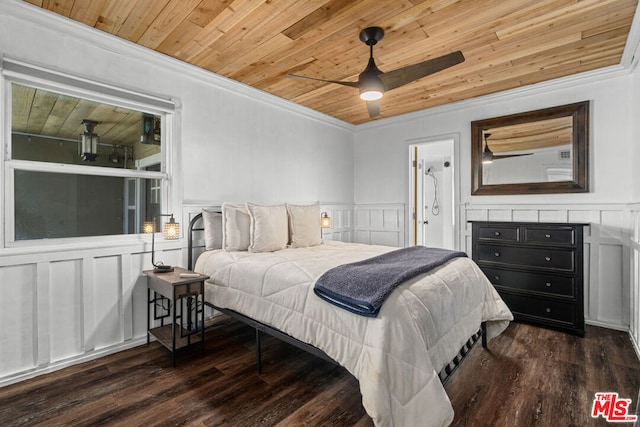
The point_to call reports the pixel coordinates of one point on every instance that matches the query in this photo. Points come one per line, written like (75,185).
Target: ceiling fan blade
(373,107)
(410,73)
(351,84)
(506,156)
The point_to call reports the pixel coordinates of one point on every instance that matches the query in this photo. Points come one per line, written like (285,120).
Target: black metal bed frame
(260,327)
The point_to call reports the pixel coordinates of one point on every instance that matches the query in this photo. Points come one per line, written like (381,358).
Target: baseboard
(75,360)
(600,324)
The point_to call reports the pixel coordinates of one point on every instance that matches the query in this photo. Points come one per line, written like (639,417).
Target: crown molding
(17,9)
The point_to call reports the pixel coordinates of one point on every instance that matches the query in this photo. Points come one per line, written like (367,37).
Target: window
(82,159)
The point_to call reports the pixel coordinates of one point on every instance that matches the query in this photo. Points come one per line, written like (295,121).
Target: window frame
(17,72)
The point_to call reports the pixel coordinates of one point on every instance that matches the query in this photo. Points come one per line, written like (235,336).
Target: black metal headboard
(192,229)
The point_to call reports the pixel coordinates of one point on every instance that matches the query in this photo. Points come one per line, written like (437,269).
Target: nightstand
(180,300)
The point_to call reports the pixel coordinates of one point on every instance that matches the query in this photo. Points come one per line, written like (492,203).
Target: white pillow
(304,225)
(269,227)
(235,227)
(212,221)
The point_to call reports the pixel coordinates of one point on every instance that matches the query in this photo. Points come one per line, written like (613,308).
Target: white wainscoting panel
(62,307)
(18,303)
(380,224)
(106,308)
(63,292)
(608,258)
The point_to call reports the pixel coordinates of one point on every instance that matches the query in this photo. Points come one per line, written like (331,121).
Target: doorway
(433,193)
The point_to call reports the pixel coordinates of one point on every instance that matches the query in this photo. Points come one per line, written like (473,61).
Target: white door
(434,194)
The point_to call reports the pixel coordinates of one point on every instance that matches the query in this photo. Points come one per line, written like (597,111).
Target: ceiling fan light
(371,87)
(487,154)
(487,157)
(370,95)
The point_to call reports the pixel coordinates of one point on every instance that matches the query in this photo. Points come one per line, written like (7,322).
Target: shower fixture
(435,208)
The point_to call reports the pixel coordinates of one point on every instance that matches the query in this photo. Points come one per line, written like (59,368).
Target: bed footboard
(480,335)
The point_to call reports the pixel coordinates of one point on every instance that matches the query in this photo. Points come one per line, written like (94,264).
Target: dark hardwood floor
(529,376)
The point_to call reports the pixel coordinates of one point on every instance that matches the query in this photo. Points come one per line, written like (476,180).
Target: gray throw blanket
(361,287)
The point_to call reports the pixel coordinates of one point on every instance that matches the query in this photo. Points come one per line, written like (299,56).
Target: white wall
(381,168)
(64,304)
(235,148)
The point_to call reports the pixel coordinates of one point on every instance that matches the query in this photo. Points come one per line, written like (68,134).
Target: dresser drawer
(501,233)
(540,308)
(556,259)
(537,282)
(556,236)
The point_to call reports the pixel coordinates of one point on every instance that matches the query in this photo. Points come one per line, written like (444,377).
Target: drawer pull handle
(496,233)
(547,258)
(497,277)
(497,254)
(548,284)
(548,310)
(548,236)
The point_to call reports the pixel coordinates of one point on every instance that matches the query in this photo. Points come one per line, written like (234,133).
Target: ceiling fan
(372,82)
(488,156)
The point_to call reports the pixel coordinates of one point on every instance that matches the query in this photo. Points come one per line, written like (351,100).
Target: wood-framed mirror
(537,152)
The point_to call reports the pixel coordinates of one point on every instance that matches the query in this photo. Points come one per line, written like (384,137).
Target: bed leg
(483,326)
(259,349)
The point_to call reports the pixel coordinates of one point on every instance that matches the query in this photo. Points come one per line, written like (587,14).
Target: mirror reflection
(535,152)
(57,128)
(87,197)
(528,152)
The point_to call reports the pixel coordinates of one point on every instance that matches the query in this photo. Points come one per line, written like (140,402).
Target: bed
(397,355)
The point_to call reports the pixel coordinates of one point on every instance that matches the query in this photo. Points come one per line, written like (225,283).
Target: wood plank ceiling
(506,43)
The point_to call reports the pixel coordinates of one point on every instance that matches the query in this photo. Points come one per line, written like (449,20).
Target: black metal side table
(178,295)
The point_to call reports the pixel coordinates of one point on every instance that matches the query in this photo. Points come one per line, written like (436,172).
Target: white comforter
(395,356)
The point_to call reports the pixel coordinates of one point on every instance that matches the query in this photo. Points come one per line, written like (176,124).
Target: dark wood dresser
(537,268)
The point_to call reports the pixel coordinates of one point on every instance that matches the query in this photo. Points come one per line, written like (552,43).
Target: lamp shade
(171,229)
(148,227)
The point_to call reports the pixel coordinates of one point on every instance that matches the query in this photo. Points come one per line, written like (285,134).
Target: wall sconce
(325,220)
(170,230)
(89,141)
